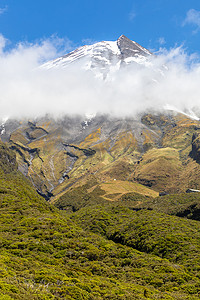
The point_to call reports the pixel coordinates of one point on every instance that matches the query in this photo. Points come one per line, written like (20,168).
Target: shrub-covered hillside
(182,205)
(99,252)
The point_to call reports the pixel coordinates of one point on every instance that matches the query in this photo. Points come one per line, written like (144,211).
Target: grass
(124,187)
(159,168)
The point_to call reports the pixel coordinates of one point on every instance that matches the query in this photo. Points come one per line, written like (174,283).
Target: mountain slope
(157,149)
(46,255)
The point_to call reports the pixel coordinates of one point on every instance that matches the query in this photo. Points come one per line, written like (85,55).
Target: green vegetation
(103,250)
(170,237)
(182,205)
(92,193)
(7,160)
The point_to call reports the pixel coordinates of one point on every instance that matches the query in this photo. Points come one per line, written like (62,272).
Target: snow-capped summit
(104,57)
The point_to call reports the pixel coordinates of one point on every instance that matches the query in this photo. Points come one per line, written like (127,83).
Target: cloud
(132,15)
(26,90)
(3,42)
(161,41)
(193,18)
(3,10)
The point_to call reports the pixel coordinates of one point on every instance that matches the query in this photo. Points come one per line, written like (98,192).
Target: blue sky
(152,23)
(33,32)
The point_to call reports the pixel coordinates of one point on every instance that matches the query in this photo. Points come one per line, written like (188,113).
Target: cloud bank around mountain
(27,90)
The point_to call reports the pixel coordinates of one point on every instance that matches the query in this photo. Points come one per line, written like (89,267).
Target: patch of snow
(2,126)
(3,130)
(90,115)
(102,58)
(139,59)
(114,47)
(190,114)
(84,51)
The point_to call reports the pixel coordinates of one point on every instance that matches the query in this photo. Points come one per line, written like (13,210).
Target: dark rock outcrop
(195,153)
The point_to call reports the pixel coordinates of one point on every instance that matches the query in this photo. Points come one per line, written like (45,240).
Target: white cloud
(3,10)
(27,90)
(3,42)
(161,41)
(193,18)
(132,15)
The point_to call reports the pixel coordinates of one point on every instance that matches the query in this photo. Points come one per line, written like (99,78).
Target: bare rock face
(130,48)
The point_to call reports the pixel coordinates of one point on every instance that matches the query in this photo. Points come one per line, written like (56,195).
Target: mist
(171,81)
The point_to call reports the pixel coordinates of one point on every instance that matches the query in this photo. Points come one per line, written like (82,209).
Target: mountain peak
(130,48)
(123,37)
(104,57)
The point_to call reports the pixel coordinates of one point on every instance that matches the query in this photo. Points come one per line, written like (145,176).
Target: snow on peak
(103,57)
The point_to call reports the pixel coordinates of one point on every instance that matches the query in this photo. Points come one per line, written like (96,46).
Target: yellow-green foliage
(18,136)
(160,168)
(121,154)
(125,142)
(91,139)
(7,159)
(166,236)
(131,255)
(183,205)
(149,138)
(37,133)
(123,187)
(119,169)
(180,136)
